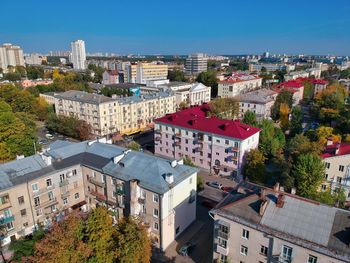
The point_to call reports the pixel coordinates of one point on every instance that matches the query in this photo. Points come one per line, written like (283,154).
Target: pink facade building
(214,144)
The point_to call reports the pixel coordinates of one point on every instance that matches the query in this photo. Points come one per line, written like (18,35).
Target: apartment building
(136,113)
(10,55)
(258,101)
(214,144)
(142,72)
(294,86)
(270,67)
(70,176)
(310,72)
(110,77)
(35,59)
(109,115)
(196,63)
(238,83)
(97,110)
(336,157)
(190,93)
(256,224)
(78,55)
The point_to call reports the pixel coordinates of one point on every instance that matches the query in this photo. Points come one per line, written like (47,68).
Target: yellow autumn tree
(324,133)
(284,116)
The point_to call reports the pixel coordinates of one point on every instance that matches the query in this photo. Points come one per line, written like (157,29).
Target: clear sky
(179,26)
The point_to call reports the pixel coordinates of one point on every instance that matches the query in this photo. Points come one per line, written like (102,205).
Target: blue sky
(180,27)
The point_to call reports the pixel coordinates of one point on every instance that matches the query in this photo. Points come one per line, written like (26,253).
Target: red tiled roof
(313,81)
(239,77)
(195,118)
(330,150)
(291,85)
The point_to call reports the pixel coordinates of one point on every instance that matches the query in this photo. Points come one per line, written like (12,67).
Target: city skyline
(158,28)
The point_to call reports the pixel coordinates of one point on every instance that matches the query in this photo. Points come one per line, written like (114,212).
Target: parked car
(215,184)
(209,203)
(185,249)
(49,136)
(43,142)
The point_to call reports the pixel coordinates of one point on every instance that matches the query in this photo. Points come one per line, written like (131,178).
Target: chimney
(276,187)
(329,141)
(293,191)
(169,178)
(280,201)
(337,147)
(263,194)
(173,163)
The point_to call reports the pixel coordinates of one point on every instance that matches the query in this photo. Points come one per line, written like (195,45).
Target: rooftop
(259,96)
(83,96)
(336,149)
(149,170)
(239,77)
(151,96)
(292,219)
(195,118)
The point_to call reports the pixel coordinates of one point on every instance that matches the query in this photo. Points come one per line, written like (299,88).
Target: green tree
(296,121)
(284,97)
(330,198)
(209,79)
(134,146)
(12,76)
(271,140)
(183,105)
(225,108)
(308,90)
(176,75)
(188,161)
(308,173)
(254,167)
(200,183)
(250,118)
(132,241)
(35,72)
(100,235)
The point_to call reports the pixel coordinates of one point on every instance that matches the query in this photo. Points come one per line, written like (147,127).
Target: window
(217,140)
(36,201)
(74,172)
(25,224)
(39,212)
(155,198)
(245,234)
(62,178)
(65,201)
(326,176)
(9,226)
(341,168)
(263,250)
(323,187)
(35,187)
(155,212)
(312,259)
(50,195)
(339,180)
(177,230)
(328,165)
(209,138)
(21,200)
(156,226)
(287,252)
(48,182)
(244,250)
(209,155)
(222,242)
(186,141)
(76,195)
(102,179)
(226,142)
(23,212)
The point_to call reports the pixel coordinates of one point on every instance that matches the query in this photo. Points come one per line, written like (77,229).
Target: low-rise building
(294,86)
(310,72)
(336,157)
(49,97)
(214,144)
(237,84)
(30,82)
(259,101)
(71,176)
(270,67)
(110,77)
(109,115)
(256,224)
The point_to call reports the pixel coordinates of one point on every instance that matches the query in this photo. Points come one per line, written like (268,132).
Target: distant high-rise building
(78,54)
(10,56)
(34,59)
(266,54)
(196,63)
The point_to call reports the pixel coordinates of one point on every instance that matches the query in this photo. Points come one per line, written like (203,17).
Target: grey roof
(83,96)
(300,221)
(260,96)
(135,99)
(149,170)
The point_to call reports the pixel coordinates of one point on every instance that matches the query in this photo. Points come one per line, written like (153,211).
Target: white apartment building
(196,63)
(257,224)
(10,55)
(310,72)
(109,115)
(80,176)
(336,157)
(258,101)
(190,93)
(237,84)
(270,67)
(214,144)
(142,72)
(34,59)
(78,55)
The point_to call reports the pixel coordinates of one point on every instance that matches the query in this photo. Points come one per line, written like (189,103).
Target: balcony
(231,149)
(224,168)
(142,200)
(231,158)
(96,182)
(157,138)
(99,196)
(178,143)
(158,131)
(47,203)
(281,259)
(63,183)
(6,219)
(223,235)
(178,135)
(221,250)
(120,191)
(5,205)
(44,190)
(65,194)
(198,149)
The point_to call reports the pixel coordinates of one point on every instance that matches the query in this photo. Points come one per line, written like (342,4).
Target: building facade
(71,176)
(238,83)
(214,144)
(196,63)
(110,115)
(78,54)
(110,77)
(294,86)
(142,72)
(259,101)
(255,224)
(35,59)
(10,55)
(270,67)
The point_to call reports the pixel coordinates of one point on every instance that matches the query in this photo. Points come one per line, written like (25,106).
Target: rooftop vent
(169,178)
(173,163)
(280,201)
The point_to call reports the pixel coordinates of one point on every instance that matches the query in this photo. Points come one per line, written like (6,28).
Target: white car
(49,136)
(215,184)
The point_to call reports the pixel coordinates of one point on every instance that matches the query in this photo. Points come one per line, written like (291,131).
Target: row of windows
(340,168)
